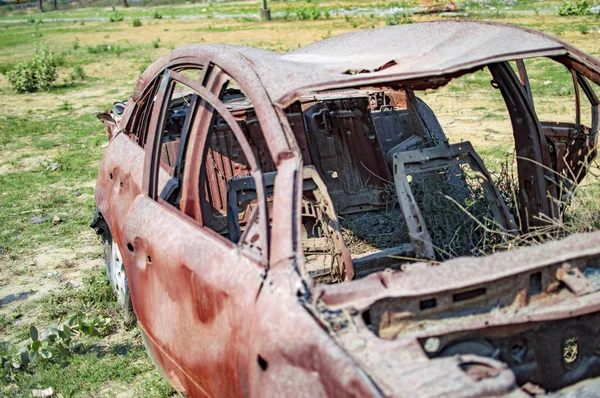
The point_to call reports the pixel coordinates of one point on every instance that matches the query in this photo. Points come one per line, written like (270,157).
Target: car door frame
(185,256)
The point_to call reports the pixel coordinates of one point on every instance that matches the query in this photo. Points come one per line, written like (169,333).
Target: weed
(103,48)
(307,13)
(156,15)
(136,22)
(78,73)
(583,29)
(156,43)
(398,18)
(76,44)
(65,106)
(36,75)
(580,7)
(115,17)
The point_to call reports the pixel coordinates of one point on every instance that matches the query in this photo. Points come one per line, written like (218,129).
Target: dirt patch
(46,269)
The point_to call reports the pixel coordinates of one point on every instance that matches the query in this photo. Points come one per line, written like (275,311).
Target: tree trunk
(55,4)
(41,6)
(125,2)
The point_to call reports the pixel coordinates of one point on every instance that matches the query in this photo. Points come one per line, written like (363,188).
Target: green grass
(89,369)
(52,186)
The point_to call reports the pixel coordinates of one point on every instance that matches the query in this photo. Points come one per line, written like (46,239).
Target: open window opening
(213,173)
(403,187)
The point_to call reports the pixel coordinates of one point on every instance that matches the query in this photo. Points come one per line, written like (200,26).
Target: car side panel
(215,328)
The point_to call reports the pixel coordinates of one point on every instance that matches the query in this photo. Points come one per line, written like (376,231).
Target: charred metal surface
(228,204)
(345,150)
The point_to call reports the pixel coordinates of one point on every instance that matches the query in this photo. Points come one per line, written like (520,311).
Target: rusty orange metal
(226,202)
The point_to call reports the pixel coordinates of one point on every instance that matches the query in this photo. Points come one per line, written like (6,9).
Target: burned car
(239,193)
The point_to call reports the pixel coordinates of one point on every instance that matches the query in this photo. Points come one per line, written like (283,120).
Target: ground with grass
(51,262)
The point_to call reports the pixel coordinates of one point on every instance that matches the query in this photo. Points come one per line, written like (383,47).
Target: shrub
(78,73)
(37,75)
(156,43)
(580,7)
(398,19)
(156,15)
(136,22)
(115,17)
(307,13)
(76,44)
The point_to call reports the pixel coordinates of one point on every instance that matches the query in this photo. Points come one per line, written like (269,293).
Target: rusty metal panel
(344,148)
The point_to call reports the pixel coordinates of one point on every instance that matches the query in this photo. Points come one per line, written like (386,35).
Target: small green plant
(78,73)
(156,15)
(76,44)
(104,48)
(136,22)
(398,19)
(55,341)
(36,75)
(580,7)
(583,29)
(115,17)
(156,43)
(65,106)
(307,13)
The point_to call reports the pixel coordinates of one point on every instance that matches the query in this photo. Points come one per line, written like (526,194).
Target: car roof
(430,52)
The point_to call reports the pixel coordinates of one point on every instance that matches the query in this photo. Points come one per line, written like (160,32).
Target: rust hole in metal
(130,247)
(262,363)
(149,259)
(366,316)
(110,175)
(427,304)
(535,283)
(469,294)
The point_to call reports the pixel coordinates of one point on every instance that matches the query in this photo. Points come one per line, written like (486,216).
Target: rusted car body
(231,172)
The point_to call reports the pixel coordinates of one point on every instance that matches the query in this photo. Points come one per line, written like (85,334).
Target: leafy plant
(78,73)
(398,19)
(55,341)
(65,106)
(156,43)
(116,17)
(156,15)
(307,13)
(76,44)
(580,7)
(36,75)
(136,22)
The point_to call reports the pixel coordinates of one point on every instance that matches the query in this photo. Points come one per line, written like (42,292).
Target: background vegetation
(51,263)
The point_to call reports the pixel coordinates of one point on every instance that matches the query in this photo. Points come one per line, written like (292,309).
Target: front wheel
(115,269)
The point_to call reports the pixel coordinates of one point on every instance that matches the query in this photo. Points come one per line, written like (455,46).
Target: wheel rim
(118,274)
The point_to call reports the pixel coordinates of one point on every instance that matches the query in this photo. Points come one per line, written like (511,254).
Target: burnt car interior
(377,165)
